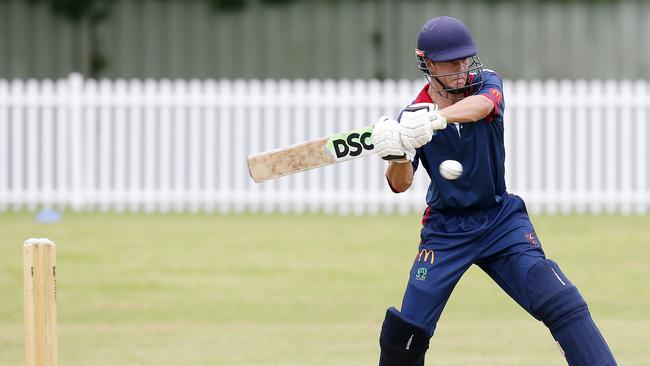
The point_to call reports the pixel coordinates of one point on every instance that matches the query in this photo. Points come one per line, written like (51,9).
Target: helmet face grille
(474,80)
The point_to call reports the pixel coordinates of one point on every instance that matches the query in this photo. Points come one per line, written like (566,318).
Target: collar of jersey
(424,96)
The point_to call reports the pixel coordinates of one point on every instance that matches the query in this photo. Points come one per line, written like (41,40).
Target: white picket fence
(181,146)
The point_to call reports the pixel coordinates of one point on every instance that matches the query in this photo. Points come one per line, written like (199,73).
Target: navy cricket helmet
(448,39)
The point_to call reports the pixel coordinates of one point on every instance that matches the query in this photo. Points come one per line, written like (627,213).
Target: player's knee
(553,299)
(403,343)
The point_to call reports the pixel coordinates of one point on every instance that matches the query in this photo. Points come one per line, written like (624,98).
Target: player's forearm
(470,109)
(400,175)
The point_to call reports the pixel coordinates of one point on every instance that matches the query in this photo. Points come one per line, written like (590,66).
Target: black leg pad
(402,341)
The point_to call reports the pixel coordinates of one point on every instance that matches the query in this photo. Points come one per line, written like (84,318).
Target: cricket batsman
(458,116)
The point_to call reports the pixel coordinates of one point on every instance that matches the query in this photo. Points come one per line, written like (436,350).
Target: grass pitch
(301,290)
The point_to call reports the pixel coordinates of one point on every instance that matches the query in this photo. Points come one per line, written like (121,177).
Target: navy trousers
(501,240)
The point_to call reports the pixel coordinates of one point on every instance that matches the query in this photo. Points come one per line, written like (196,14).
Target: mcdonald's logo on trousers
(424,255)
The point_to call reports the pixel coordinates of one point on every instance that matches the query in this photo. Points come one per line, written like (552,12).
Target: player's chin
(458,83)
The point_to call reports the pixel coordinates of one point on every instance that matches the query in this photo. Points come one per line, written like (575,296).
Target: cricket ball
(451,169)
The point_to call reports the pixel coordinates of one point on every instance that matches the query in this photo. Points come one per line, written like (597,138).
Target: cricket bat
(311,154)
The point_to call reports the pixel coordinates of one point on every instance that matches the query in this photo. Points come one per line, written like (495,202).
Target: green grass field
(301,290)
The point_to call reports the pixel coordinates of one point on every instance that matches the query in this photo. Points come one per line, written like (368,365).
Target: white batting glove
(388,142)
(418,124)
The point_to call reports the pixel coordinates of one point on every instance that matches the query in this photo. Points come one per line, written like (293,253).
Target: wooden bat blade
(289,160)
(312,154)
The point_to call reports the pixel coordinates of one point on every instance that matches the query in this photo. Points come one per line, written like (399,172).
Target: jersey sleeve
(492,88)
(416,160)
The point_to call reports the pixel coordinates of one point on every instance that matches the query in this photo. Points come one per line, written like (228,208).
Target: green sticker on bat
(350,144)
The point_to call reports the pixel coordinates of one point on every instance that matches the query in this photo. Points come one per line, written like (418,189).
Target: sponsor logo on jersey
(496,94)
(532,239)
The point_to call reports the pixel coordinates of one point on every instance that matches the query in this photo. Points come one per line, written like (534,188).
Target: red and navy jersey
(478,146)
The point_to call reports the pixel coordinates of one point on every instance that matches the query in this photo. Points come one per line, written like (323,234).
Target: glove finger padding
(387,140)
(438,122)
(415,129)
(419,123)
